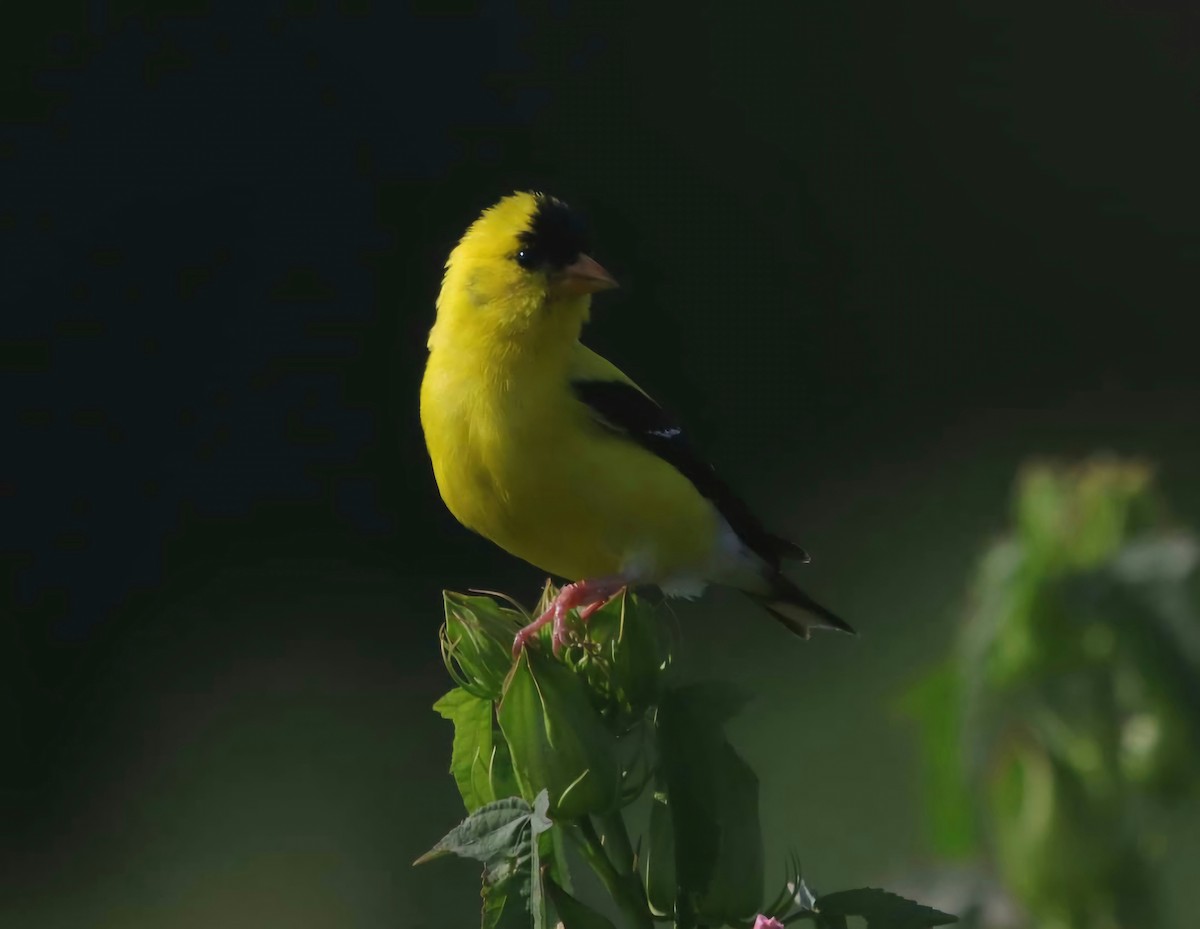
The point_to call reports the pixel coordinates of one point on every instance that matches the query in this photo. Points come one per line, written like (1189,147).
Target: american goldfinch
(551,452)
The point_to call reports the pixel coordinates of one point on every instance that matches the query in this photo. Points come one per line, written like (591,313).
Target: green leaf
(501,777)
(735,890)
(554,848)
(503,836)
(572,913)
(496,835)
(686,747)
(506,905)
(880,909)
(471,756)
(713,799)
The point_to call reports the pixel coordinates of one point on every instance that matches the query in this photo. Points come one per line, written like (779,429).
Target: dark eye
(525,258)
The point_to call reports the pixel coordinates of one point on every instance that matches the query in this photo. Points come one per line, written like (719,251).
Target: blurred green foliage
(1071,703)
(548,750)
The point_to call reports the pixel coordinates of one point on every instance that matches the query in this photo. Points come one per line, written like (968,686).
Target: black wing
(625,410)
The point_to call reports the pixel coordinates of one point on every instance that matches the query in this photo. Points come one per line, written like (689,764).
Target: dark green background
(874,256)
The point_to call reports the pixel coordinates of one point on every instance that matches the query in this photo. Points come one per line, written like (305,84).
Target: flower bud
(624,661)
(477,638)
(638,657)
(557,739)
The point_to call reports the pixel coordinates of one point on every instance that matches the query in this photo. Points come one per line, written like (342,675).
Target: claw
(560,637)
(585,596)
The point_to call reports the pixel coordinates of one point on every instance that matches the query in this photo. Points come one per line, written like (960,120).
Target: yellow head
(519,274)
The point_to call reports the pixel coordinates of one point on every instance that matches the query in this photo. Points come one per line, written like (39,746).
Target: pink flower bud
(767,922)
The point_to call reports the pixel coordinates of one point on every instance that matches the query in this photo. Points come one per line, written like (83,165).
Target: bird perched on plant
(548,450)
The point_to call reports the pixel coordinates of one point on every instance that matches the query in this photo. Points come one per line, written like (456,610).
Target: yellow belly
(529,469)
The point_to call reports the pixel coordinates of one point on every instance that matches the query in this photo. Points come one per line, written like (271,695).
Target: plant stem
(625,888)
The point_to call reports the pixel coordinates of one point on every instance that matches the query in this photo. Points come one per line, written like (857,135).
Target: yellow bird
(548,450)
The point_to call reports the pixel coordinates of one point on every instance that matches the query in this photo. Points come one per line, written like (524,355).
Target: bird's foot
(529,633)
(586,596)
(589,611)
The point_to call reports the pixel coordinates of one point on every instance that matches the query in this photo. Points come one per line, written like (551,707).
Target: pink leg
(583,593)
(589,611)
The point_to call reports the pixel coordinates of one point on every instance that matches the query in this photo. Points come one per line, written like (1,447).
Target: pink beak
(583,276)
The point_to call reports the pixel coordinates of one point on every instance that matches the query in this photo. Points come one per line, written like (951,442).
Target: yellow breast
(518,459)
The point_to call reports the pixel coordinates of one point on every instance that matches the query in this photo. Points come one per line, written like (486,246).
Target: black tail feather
(785,548)
(796,610)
